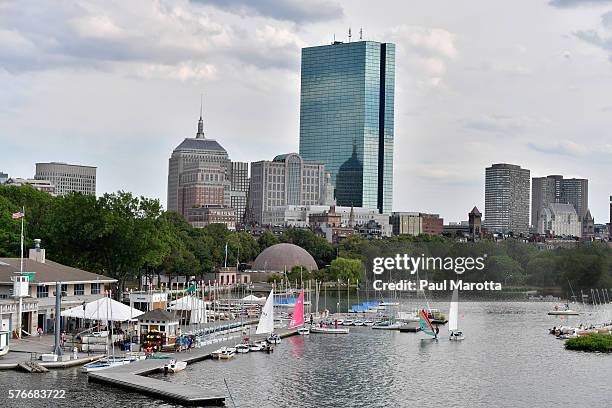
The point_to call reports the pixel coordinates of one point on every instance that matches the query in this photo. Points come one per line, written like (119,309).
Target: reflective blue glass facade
(346,119)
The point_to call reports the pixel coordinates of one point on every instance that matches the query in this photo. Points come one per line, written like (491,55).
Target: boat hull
(326,330)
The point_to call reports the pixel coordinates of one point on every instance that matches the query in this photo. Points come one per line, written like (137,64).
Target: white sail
(453,314)
(266,321)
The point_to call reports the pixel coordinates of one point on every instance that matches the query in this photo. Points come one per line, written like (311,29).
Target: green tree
(344,268)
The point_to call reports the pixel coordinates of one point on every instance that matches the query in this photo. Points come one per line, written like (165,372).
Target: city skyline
(536,97)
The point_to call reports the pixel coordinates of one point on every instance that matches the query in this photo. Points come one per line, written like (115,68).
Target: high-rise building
(68,178)
(347,119)
(3,177)
(555,189)
(201,175)
(197,173)
(507,199)
(286,180)
(239,188)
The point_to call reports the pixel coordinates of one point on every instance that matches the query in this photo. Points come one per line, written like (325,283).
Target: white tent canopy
(187,303)
(253,298)
(195,306)
(103,309)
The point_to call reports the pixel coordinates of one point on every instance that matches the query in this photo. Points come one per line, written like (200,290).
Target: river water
(508,359)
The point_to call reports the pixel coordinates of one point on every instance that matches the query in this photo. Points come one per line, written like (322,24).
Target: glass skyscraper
(346,119)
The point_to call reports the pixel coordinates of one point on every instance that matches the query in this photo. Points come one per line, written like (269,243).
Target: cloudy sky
(117,84)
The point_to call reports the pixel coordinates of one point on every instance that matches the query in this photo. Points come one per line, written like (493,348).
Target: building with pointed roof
(200,174)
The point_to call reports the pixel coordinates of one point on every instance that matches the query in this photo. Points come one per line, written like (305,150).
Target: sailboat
(453,317)
(297,318)
(266,320)
(426,326)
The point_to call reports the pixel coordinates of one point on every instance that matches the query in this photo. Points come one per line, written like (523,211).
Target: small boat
(242,348)
(368,323)
(347,322)
(358,323)
(4,342)
(256,346)
(175,366)
(107,362)
(297,318)
(329,330)
(339,321)
(274,339)
(386,325)
(224,353)
(566,312)
(453,317)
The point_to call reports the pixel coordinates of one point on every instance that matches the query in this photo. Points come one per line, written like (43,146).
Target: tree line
(124,237)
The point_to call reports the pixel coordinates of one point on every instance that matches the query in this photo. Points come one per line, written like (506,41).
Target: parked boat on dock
(175,366)
(329,330)
(224,353)
(386,325)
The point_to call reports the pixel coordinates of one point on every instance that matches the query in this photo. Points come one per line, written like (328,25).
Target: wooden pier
(133,376)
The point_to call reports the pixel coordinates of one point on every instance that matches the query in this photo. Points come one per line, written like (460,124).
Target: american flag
(18,215)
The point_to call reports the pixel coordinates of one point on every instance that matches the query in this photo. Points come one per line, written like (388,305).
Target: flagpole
(21,261)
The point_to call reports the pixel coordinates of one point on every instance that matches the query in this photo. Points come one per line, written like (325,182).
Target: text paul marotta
(413,265)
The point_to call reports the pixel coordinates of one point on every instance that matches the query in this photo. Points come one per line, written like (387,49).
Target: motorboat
(242,348)
(347,322)
(304,331)
(368,323)
(224,353)
(274,339)
(175,366)
(329,330)
(358,323)
(4,342)
(259,346)
(566,312)
(386,325)
(108,362)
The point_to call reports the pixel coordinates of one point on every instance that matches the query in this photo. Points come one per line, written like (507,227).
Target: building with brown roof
(78,287)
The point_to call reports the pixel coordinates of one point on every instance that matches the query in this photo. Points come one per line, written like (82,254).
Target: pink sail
(297,318)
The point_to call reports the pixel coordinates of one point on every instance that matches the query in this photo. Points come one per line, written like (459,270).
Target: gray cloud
(156,38)
(577,3)
(594,38)
(298,11)
(562,148)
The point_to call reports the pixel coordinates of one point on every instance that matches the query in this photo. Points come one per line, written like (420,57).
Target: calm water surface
(506,360)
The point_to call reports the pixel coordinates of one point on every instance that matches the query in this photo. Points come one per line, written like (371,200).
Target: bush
(593,342)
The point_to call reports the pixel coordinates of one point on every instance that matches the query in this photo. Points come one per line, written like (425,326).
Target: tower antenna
(360,33)
(349,34)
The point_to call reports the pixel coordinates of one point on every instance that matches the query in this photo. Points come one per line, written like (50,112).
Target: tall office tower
(507,199)
(239,188)
(198,174)
(286,180)
(555,189)
(576,192)
(3,177)
(346,119)
(68,178)
(544,191)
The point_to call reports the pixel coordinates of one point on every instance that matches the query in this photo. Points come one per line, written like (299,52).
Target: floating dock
(133,376)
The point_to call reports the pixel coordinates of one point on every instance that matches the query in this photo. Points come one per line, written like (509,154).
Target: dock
(133,376)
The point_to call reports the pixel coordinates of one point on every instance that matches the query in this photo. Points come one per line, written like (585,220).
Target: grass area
(593,342)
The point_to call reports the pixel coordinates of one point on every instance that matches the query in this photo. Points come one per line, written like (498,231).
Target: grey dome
(282,257)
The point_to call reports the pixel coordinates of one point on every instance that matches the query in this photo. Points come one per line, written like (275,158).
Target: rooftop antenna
(200,134)
(360,33)
(349,34)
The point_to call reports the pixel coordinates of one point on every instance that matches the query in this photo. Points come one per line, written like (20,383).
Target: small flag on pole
(18,215)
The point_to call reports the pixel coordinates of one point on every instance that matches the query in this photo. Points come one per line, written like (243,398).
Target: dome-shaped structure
(282,257)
